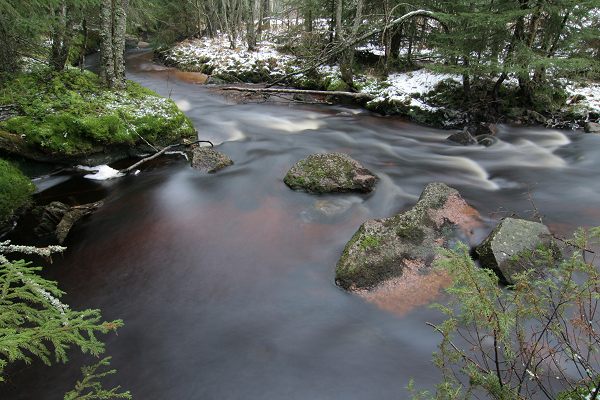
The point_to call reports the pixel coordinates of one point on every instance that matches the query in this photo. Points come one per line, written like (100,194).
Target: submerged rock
(330,172)
(382,249)
(509,248)
(591,127)
(207,159)
(57,219)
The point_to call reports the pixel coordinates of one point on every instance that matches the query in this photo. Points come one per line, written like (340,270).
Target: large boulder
(591,127)
(209,160)
(330,172)
(382,249)
(511,247)
(57,219)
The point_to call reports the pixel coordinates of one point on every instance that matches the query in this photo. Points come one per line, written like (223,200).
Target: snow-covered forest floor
(407,93)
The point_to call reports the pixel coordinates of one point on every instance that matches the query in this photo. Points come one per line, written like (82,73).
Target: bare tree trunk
(347,62)
(339,8)
(61,37)
(120,26)
(83,49)
(113,24)
(107,70)
(250,28)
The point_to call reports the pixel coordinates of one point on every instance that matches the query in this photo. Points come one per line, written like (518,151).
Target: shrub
(15,190)
(536,338)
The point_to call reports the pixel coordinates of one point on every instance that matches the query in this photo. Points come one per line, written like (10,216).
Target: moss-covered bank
(70,115)
(15,190)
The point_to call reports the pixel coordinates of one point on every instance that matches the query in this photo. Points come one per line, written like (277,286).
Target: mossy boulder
(382,248)
(330,172)
(207,159)
(515,246)
(15,191)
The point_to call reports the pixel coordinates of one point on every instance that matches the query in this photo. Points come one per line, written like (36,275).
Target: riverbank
(69,117)
(419,92)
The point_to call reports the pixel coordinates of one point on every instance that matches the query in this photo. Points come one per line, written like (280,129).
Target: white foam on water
(183,105)
(470,170)
(289,125)
(100,172)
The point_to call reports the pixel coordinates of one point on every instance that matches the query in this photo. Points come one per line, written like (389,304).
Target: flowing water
(225,281)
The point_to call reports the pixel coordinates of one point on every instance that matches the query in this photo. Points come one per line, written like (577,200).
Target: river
(225,281)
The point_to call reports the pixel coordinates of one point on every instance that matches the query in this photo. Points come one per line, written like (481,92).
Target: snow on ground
(217,54)
(404,87)
(591,91)
(100,172)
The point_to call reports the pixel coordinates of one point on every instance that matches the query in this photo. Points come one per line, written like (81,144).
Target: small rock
(513,239)
(463,137)
(591,127)
(382,249)
(143,45)
(483,129)
(330,172)
(486,140)
(207,159)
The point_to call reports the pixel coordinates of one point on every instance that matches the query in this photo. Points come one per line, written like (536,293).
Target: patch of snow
(100,172)
(591,91)
(405,87)
(376,49)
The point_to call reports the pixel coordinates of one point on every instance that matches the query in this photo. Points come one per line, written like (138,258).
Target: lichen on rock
(330,172)
(381,249)
(514,246)
(207,159)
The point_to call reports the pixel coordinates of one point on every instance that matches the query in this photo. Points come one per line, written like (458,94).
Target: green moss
(411,233)
(369,242)
(337,84)
(71,113)
(15,190)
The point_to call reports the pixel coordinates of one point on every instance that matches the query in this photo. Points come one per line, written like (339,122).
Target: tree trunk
(339,8)
(250,28)
(113,24)
(120,27)
(83,49)
(107,67)
(62,35)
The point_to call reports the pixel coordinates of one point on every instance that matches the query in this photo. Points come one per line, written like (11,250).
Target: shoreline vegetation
(417,89)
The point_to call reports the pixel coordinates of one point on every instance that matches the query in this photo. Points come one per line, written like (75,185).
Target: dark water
(225,282)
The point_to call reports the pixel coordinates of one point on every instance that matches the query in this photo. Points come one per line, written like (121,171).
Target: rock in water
(330,172)
(207,159)
(463,137)
(591,127)
(57,218)
(49,217)
(508,249)
(381,249)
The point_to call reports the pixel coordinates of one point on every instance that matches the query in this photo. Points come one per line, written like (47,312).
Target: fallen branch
(160,152)
(354,41)
(356,96)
